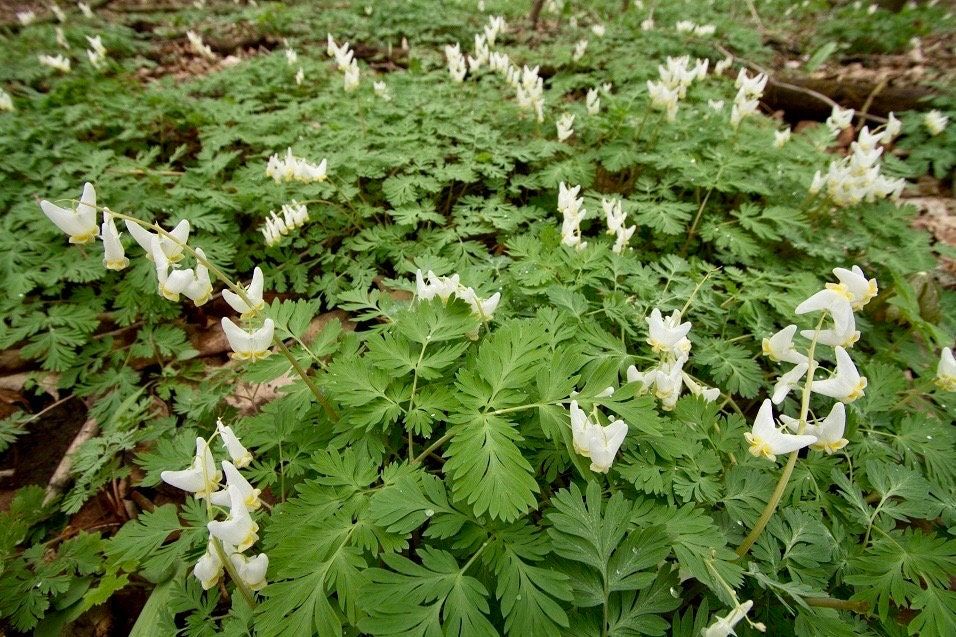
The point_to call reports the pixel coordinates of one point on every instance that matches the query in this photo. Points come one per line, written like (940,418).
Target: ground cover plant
(470,318)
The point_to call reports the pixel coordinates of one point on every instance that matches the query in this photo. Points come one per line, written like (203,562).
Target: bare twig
(61,477)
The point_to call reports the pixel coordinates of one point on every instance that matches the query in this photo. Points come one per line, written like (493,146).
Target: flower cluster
(668,339)
(200,47)
(616,223)
(837,301)
(292,168)
(675,77)
(857,177)
(294,215)
(346,63)
(457,66)
(229,538)
(592,440)
(572,207)
(749,92)
(59,62)
(429,286)
(686,26)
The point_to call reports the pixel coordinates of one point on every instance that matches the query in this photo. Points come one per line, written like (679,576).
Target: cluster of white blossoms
(429,286)
(292,168)
(675,77)
(667,337)
(294,215)
(58,62)
(346,63)
(229,538)
(97,52)
(565,126)
(6,102)
(935,122)
(617,223)
(572,208)
(457,66)
(946,371)
(857,177)
(837,302)
(198,46)
(749,92)
(529,89)
(166,251)
(592,440)
(686,26)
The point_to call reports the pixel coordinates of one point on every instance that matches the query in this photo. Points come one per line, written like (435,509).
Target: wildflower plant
(477,380)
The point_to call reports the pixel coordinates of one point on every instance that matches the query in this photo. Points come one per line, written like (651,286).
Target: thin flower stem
(768,510)
(241,292)
(231,570)
(473,557)
(411,399)
(700,284)
(700,211)
(857,606)
(435,445)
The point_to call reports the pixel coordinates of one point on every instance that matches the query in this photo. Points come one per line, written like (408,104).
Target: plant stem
(700,211)
(233,575)
(411,399)
(857,606)
(768,510)
(435,445)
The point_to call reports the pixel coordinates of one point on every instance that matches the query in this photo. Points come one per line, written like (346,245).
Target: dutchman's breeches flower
(946,370)
(79,223)
(253,293)
(249,345)
(767,441)
(201,478)
(239,529)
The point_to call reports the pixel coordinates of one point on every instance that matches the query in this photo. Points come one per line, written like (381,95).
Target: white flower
(789,381)
(599,30)
(668,383)
(58,62)
(79,223)
(58,12)
(832,301)
(350,77)
(684,26)
(565,126)
(767,441)
(591,440)
(593,102)
(839,119)
(199,287)
(647,24)
(26,18)
(251,571)
(114,257)
(568,200)
(705,29)
(253,292)
(85,9)
(741,109)
(829,431)
(724,626)
(854,286)
(249,345)
(779,347)
(843,332)
(239,529)
(935,122)
(456,62)
(292,168)
(667,335)
(171,246)
(96,43)
(201,48)
(891,129)
(483,309)
(614,214)
(299,76)
(234,479)
(846,384)
(664,98)
(294,215)
(170,284)
(723,65)
(570,206)
(716,105)
(95,58)
(291,57)
(208,569)
(441,286)
(381,89)
(817,184)
(781,137)
(6,102)
(579,49)
(623,235)
(751,87)
(201,478)
(946,371)
(709,394)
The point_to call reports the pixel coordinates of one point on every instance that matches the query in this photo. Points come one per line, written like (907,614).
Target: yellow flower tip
(209,583)
(758,447)
(167,294)
(176,258)
(857,391)
(767,349)
(946,383)
(851,340)
(118,264)
(86,237)
(840,289)
(830,447)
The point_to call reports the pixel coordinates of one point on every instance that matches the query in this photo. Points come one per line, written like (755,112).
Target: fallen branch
(61,477)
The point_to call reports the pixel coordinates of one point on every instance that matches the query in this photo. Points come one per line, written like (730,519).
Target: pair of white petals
(767,440)
(668,334)
(595,442)
(429,286)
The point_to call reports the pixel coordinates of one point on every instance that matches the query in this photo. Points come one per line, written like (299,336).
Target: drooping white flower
(85,9)
(565,126)
(839,119)
(199,288)
(704,30)
(684,26)
(250,495)
(579,49)
(239,454)
(6,102)
(239,529)
(482,308)
(252,571)
(201,478)
(59,62)
(598,30)
(58,12)
(593,102)
(647,24)
(208,569)
(294,215)
(291,57)
(667,334)
(724,626)
(249,345)
(456,62)
(97,52)
(26,18)
(571,207)
(781,137)
(846,384)
(79,223)
(663,98)
(114,256)
(829,431)
(253,293)
(597,443)
(751,87)
(381,89)
(170,282)
(198,46)
(292,168)
(723,65)
(441,286)
(789,381)
(351,77)
(496,25)
(172,246)
(709,394)
(891,129)
(935,122)
(946,370)
(767,441)
(299,76)
(742,108)
(669,382)
(833,301)
(779,347)
(716,105)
